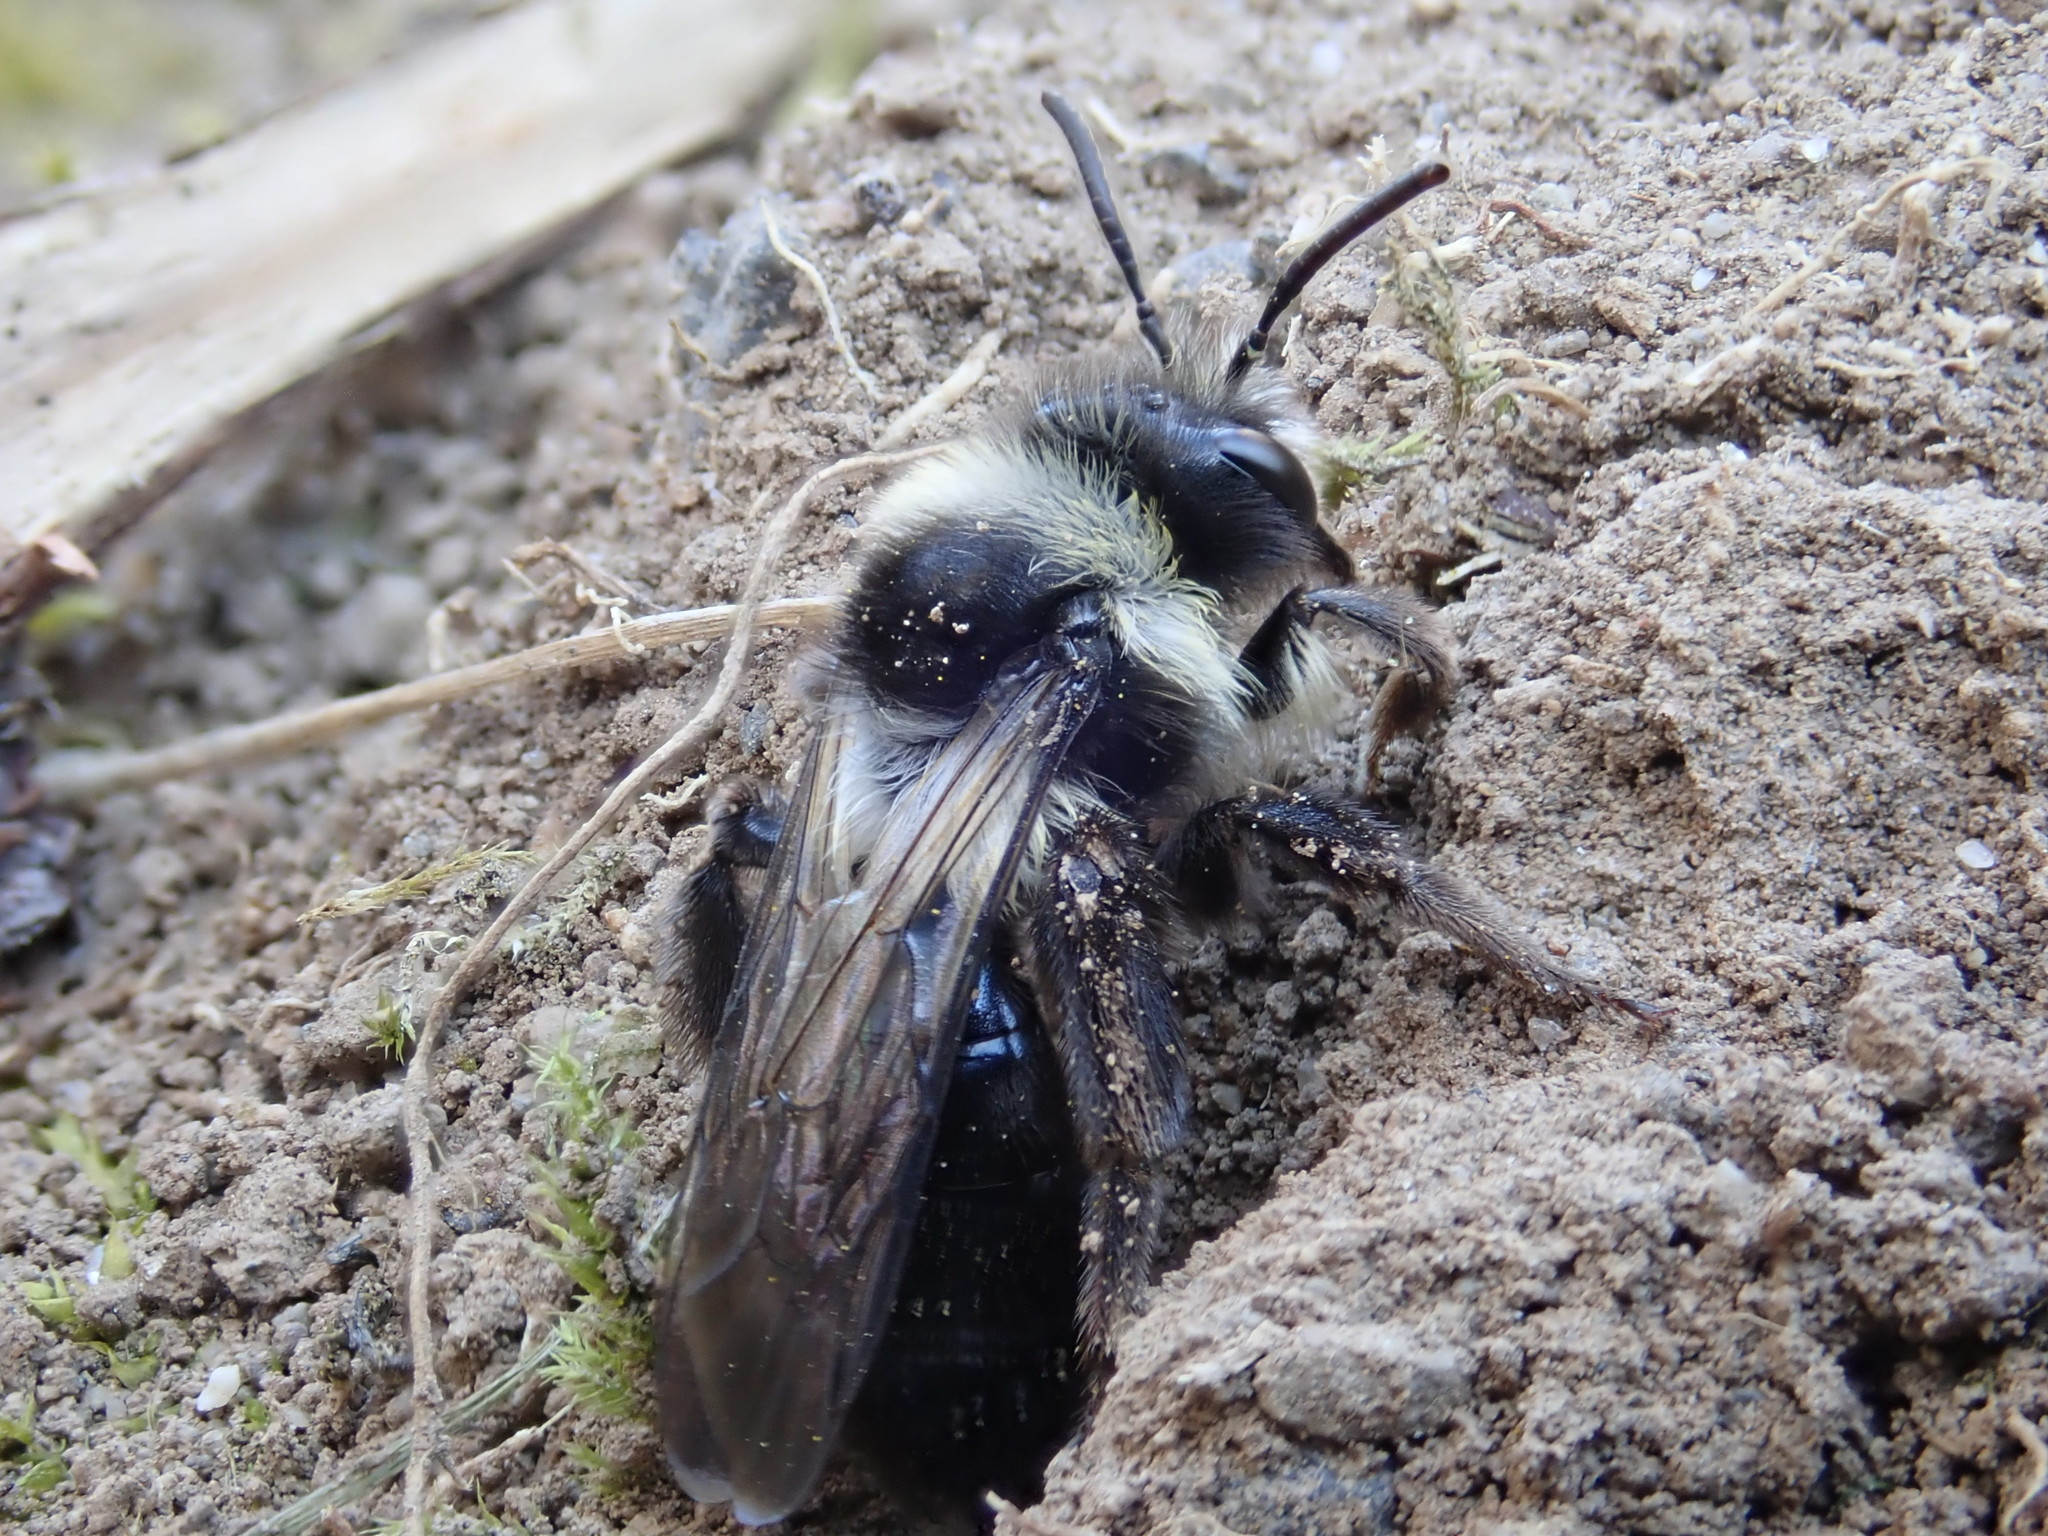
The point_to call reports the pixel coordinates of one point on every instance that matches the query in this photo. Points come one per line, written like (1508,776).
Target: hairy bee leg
(1416,689)
(701,933)
(1361,850)
(1116,1029)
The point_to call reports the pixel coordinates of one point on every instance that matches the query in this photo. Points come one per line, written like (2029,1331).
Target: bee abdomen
(975,1383)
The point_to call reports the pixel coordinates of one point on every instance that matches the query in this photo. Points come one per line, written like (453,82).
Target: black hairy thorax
(936,615)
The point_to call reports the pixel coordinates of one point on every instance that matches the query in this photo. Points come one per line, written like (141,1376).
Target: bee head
(1199,448)
(1237,502)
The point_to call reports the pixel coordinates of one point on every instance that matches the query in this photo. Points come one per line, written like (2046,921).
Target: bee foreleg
(1360,850)
(701,933)
(1417,687)
(1116,1029)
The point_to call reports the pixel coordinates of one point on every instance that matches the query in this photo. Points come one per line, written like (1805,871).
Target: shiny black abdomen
(975,1383)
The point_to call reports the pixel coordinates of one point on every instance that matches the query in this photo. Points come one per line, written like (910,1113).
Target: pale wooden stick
(74,777)
(153,312)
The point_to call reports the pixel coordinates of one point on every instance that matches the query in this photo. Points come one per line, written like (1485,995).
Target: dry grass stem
(691,738)
(816,279)
(74,777)
(596,576)
(947,393)
(1516,208)
(1528,389)
(239,270)
(1722,367)
(313,1511)
(1487,561)
(2018,1426)
(1831,254)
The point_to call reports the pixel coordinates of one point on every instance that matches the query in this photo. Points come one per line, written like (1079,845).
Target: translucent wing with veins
(826,1082)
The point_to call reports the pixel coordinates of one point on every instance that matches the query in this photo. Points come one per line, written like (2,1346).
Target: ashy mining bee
(944,1056)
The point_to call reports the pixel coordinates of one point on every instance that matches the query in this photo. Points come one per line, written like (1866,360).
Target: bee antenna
(1395,195)
(1089,160)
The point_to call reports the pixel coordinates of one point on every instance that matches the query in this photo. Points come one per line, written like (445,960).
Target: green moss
(123,1189)
(391,1023)
(38,1467)
(604,1345)
(603,1358)
(132,1367)
(80,608)
(52,1301)
(1429,302)
(1348,462)
(419,884)
(600,868)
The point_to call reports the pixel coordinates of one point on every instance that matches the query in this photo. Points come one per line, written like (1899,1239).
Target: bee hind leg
(1415,690)
(699,949)
(1359,850)
(1116,1029)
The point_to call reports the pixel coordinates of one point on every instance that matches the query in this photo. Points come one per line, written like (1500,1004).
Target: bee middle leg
(1359,850)
(1416,689)
(1116,1029)
(699,950)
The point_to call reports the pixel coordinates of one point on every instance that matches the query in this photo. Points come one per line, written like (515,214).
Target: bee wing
(825,1086)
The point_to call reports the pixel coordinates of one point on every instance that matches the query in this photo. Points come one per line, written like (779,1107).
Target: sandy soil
(1751,724)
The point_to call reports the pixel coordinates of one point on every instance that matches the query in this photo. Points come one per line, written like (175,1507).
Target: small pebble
(1200,169)
(1553,197)
(222,1383)
(379,634)
(1703,278)
(1767,149)
(331,576)
(449,561)
(1816,148)
(1975,855)
(1716,226)
(1545,1034)
(1227,1097)
(1732,93)
(1326,60)
(881,201)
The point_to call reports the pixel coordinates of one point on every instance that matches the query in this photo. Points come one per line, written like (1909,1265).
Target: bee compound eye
(1279,472)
